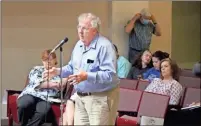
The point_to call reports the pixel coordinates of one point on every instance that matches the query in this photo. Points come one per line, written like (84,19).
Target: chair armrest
(10,99)
(10,92)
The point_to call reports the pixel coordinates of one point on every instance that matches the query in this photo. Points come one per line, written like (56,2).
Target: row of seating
(188,73)
(187,82)
(190,82)
(144,103)
(189,94)
(133,84)
(139,101)
(149,104)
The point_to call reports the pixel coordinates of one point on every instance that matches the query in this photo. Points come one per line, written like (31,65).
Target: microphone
(59,45)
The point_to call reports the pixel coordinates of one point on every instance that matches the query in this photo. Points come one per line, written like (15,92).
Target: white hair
(95,21)
(145,12)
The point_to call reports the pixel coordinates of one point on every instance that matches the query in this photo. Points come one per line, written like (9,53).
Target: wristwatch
(155,23)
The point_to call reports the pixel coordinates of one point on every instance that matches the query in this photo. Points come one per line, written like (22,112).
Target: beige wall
(27,30)
(162,10)
(0,66)
(30,27)
(122,11)
(186,32)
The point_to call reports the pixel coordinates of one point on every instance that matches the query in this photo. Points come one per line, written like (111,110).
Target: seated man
(33,105)
(123,65)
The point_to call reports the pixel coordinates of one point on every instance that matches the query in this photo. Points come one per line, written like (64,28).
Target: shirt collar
(92,45)
(94,42)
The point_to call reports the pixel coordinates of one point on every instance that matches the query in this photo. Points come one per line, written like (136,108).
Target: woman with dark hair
(142,64)
(154,72)
(168,83)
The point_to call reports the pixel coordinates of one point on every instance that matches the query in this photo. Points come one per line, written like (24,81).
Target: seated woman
(141,65)
(123,65)
(168,83)
(154,72)
(33,105)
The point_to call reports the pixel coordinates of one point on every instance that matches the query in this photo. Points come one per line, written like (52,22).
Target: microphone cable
(48,75)
(61,85)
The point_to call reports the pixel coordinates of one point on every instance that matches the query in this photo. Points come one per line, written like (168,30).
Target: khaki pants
(97,109)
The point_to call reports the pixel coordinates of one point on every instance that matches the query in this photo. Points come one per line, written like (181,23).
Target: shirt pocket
(92,64)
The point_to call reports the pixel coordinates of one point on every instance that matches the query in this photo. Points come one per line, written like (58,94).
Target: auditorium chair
(12,104)
(151,105)
(191,95)
(129,84)
(182,96)
(129,100)
(187,73)
(189,82)
(142,85)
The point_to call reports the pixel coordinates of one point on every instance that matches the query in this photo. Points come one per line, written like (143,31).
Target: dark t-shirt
(135,72)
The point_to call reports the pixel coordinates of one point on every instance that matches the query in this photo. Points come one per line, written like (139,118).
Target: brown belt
(84,94)
(89,93)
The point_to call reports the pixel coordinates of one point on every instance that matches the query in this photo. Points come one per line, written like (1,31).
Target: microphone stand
(61,84)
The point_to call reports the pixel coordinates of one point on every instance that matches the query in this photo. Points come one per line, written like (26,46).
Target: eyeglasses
(83,28)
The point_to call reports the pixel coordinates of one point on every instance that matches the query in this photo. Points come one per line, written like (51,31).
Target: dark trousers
(132,54)
(33,111)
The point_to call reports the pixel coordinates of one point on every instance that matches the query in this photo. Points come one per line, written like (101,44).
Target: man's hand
(52,72)
(137,16)
(57,83)
(157,31)
(153,18)
(77,78)
(49,85)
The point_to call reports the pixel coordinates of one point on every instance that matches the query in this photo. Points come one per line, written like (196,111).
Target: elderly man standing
(92,71)
(140,30)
